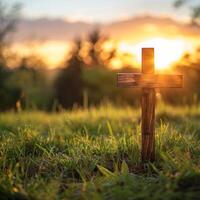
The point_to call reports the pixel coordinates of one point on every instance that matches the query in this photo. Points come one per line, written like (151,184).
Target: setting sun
(166,51)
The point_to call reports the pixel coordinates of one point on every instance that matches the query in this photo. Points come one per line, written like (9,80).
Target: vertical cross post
(148,81)
(148,109)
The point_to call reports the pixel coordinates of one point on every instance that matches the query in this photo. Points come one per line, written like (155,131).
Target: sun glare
(52,52)
(167,51)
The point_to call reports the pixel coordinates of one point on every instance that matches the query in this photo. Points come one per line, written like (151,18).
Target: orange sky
(171,39)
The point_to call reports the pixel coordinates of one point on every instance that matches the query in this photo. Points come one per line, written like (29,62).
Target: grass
(95,154)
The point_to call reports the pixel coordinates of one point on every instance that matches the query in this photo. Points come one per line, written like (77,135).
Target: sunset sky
(98,11)
(55,23)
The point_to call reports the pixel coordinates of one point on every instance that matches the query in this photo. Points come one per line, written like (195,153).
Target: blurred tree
(86,75)
(69,83)
(195,7)
(189,66)
(8,19)
(98,54)
(35,90)
(9,16)
(8,95)
(100,83)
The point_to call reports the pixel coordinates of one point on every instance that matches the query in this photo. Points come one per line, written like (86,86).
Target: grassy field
(95,154)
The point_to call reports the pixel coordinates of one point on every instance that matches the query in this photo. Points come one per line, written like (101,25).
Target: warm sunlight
(166,51)
(53,52)
(84,111)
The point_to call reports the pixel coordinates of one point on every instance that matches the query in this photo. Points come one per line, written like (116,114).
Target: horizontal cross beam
(149,80)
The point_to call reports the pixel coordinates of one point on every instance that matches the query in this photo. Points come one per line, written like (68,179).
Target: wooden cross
(148,81)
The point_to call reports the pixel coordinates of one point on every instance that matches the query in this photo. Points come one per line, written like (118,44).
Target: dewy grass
(95,154)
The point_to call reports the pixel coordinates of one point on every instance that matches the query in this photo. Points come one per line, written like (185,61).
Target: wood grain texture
(148,102)
(149,80)
(148,124)
(148,61)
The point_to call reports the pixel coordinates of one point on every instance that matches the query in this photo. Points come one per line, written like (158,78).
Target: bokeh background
(64,54)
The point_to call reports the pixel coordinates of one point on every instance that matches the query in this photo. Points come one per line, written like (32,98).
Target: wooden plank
(148,125)
(149,80)
(148,61)
(148,102)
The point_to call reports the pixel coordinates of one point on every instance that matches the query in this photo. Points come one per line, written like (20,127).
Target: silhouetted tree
(195,9)
(8,19)
(31,77)
(9,16)
(8,95)
(189,66)
(72,83)
(69,83)
(97,53)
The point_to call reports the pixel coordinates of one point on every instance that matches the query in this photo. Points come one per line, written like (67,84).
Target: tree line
(85,78)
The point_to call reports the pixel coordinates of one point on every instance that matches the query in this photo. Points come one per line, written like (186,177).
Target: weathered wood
(148,102)
(149,80)
(148,60)
(148,124)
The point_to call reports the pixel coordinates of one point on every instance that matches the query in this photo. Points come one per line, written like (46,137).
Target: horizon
(47,29)
(53,46)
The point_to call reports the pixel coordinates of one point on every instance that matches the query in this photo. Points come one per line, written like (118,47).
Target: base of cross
(148,81)
(148,102)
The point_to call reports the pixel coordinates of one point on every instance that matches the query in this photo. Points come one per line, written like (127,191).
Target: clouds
(132,29)
(52,36)
(97,11)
